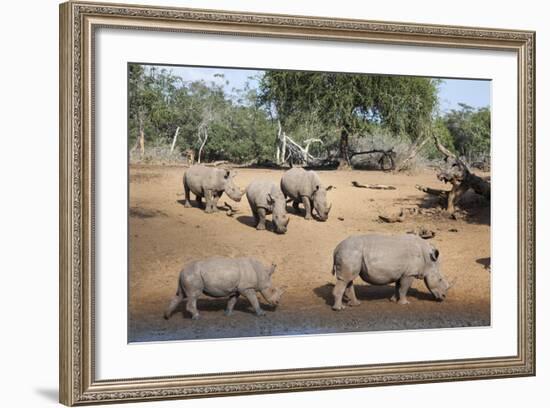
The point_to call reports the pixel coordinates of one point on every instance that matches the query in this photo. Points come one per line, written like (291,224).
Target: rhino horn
(329,208)
(287,221)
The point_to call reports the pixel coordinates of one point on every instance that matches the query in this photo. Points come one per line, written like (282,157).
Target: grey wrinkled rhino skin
(225,277)
(305,187)
(384,259)
(210,183)
(265,197)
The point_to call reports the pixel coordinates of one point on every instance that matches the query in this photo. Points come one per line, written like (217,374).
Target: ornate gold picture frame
(78,25)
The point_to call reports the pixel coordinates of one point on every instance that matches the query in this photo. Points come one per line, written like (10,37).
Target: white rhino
(225,277)
(265,197)
(210,183)
(305,187)
(384,259)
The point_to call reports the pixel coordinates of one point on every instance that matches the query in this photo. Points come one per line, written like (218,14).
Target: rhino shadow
(193,203)
(486,262)
(301,212)
(369,292)
(248,220)
(202,206)
(251,222)
(218,304)
(476,209)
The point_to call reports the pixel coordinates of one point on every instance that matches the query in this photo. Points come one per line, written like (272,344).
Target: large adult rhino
(305,187)
(225,277)
(210,183)
(384,259)
(265,197)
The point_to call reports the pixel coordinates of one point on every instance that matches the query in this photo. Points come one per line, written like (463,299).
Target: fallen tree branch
(216,163)
(457,173)
(373,186)
(433,191)
(389,154)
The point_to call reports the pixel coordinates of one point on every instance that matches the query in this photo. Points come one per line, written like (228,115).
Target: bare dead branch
(174,140)
(414,152)
(373,186)
(433,191)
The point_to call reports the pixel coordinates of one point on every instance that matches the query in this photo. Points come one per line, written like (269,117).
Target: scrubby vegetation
(298,117)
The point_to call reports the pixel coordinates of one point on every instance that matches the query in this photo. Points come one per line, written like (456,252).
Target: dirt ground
(164,236)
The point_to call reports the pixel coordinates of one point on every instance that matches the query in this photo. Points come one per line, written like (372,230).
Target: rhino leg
(191,306)
(307,206)
(296,206)
(174,303)
(338,293)
(209,201)
(198,199)
(261,213)
(401,288)
(231,304)
(350,294)
(346,268)
(254,214)
(253,299)
(187,194)
(215,198)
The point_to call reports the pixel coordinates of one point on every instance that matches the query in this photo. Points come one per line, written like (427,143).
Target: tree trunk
(404,165)
(280,154)
(459,176)
(205,138)
(141,136)
(174,140)
(344,162)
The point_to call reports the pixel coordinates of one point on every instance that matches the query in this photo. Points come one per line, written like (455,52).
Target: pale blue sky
(476,93)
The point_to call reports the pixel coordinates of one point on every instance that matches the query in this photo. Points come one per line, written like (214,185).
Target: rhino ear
(316,187)
(330,187)
(270,199)
(227,173)
(272,268)
(434,255)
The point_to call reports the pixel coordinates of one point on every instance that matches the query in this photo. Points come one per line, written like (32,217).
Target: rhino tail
(180,292)
(175,302)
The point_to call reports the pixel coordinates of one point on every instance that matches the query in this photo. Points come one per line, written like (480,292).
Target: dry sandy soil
(164,236)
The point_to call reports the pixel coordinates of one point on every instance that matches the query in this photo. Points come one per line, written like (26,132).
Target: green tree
(470,130)
(347,103)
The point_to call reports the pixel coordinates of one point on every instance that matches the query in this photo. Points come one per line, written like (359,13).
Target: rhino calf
(305,187)
(265,197)
(384,259)
(225,277)
(210,183)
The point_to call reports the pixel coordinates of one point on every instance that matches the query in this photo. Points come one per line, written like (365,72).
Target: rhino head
(320,202)
(230,188)
(273,295)
(270,294)
(436,283)
(279,215)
